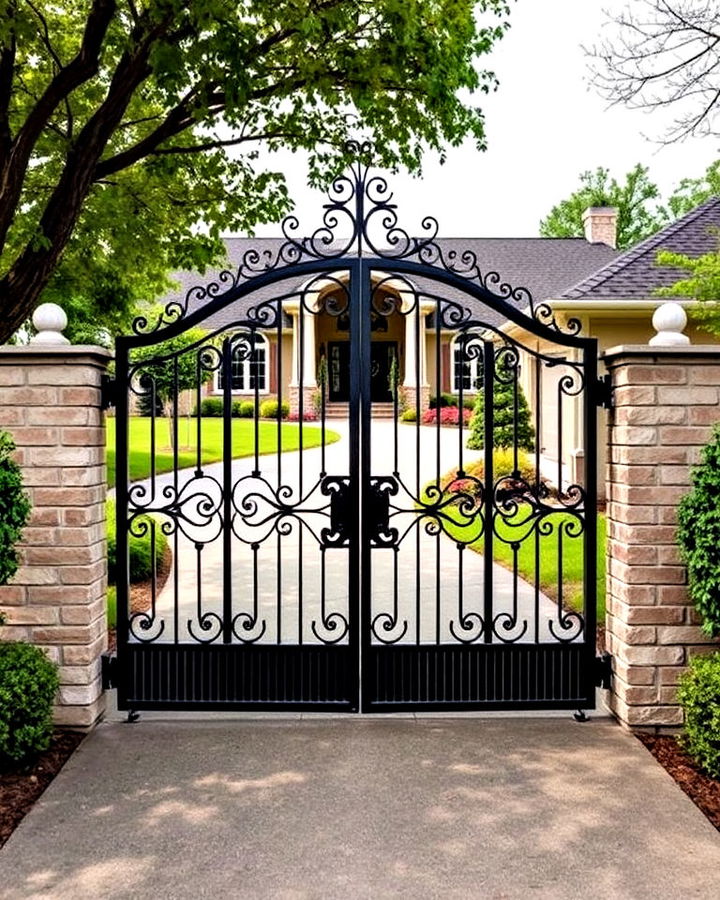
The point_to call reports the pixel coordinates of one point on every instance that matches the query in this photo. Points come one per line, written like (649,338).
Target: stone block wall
(50,402)
(665,401)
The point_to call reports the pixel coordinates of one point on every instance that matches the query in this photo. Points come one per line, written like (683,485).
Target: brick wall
(665,402)
(50,402)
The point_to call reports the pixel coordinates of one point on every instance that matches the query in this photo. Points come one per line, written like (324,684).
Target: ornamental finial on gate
(360,220)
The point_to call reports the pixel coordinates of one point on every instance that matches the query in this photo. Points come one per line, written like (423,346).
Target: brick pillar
(665,402)
(50,402)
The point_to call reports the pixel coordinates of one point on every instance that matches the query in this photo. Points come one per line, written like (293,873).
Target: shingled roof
(635,273)
(544,266)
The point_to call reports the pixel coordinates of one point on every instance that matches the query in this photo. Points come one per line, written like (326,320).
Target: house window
(248,365)
(464,373)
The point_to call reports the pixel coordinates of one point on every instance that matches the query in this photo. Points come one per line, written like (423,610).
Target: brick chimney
(600,223)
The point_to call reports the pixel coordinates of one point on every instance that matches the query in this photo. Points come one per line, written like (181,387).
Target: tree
(506,431)
(665,54)
(161,372)
(638,216)
(129,128)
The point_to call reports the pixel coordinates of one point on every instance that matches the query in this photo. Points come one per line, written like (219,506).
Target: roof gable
(635,274)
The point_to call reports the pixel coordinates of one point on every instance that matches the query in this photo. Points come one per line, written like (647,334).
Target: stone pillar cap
(50,321)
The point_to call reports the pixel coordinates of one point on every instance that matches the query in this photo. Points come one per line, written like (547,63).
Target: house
(612,294)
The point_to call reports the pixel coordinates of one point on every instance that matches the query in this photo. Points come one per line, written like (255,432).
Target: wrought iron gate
(394,569)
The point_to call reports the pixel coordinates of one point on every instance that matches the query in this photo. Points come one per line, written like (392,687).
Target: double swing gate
(339,560)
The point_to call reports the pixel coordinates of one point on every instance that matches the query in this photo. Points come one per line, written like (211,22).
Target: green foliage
(211,407)
(171,367)
(504,433)
(699,535)
(244,409)
(447,399)
(139,548)
(14,508)
(699,695)
(409,415)
(149,153)
(503,467)
(270,409)
(638,216)
(28,684)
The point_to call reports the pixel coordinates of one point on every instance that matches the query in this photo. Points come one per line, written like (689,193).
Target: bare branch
(666,54)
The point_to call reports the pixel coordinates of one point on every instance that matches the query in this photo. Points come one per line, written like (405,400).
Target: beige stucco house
(612,294)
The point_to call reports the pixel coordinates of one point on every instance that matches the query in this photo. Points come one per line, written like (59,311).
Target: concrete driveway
(368,808)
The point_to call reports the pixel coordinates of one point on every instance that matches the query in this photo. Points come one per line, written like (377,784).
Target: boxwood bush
(270,409)
(211,406)
(28,684)
(699,535)
(14,508)
(141,566)
(699,694)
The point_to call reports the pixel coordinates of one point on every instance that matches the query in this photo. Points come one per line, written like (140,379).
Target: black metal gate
(394,568)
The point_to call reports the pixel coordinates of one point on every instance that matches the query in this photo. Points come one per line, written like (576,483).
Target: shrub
(449,415)
(245,409)
(409,415)
(503,467)
(443,400)
(504,427)
(308,416)
(699,535)
(469,402)
(14,508)
(212,407)
(141,567)
(270,409)
(699,694)
(28,684)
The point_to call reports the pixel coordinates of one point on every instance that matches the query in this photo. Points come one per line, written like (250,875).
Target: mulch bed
(703,790)
(21,786)
(141,593)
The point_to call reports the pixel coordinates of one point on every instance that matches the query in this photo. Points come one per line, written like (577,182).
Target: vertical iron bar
(358,561)
(538,438)
(278,556)
(590,411)
(176,476)
(227,489)
(122,563)
(489,419)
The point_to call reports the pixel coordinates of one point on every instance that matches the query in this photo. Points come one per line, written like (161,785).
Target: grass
(572,554)
(243,442)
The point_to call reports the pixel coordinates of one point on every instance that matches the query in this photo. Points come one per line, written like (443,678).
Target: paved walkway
(424,567)
(338,807)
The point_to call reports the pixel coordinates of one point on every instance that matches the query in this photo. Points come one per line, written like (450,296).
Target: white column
(294,369)
(309,361)
(410,361)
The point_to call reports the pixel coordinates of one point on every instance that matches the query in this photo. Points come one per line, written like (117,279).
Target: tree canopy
(129,128)
(635,199)
(665,54)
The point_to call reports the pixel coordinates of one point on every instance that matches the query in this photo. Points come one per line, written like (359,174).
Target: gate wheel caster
(132,716)
(580,716)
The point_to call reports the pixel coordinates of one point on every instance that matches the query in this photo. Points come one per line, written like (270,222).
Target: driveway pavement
(423,571)
(336,807)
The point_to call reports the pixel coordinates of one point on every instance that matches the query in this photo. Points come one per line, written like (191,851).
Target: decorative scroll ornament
(360,219)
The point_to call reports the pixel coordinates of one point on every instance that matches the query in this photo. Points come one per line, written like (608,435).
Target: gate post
(50,402)
(665,401)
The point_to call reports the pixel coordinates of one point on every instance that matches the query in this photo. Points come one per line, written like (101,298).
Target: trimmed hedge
(28,684)
(271,409)
(141,566)
(699,695)
(14,508)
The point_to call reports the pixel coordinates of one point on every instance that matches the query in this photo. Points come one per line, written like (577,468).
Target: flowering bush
(449,415)
(308,416)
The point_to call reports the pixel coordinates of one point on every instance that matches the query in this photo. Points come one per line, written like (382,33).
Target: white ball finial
(669,320)
(50,320)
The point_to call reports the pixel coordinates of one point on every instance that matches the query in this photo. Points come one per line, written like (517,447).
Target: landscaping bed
(21,786)
(703,790)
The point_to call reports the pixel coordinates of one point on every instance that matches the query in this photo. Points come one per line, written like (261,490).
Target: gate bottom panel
(177,676)
(481,676)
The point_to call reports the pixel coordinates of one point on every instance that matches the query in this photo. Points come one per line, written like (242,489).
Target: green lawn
(572,554)
(243,442)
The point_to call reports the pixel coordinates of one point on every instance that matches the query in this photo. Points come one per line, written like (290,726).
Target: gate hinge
(603,392)
(108,396)
(603,670)
(109,671)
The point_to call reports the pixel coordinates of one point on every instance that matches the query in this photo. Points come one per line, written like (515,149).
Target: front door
(382,354)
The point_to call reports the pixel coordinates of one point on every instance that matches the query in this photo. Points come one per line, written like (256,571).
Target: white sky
(545,125)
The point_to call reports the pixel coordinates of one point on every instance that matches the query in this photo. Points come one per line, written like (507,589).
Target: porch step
(341,411)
